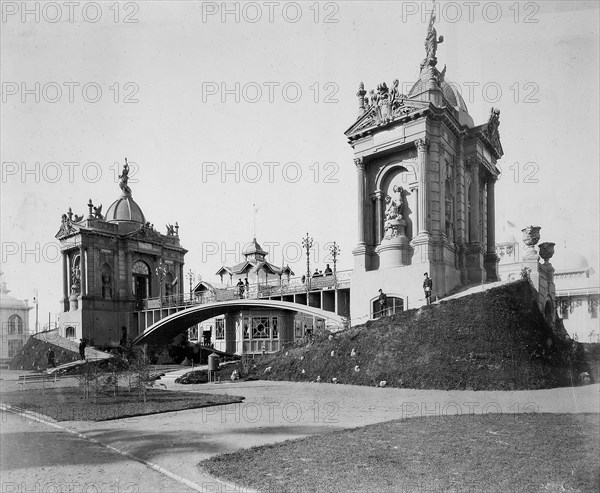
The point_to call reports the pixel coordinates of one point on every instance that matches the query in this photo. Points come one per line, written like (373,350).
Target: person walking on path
(383,305)
(51,362)
(82,345)
(427,287)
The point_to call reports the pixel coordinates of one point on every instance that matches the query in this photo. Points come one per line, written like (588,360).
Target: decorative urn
(546,250)
(531,236)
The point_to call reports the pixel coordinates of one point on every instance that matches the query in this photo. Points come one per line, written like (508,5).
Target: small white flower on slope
(267,369)
(357,368)
(383,383)
(330,337)
(353,353)
(332,353)
(301,358)
(286,353)
(303,372)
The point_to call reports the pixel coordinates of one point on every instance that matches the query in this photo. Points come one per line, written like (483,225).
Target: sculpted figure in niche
(393,213)
(106,286)
(75,275)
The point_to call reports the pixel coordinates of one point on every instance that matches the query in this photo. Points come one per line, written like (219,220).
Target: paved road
(35,457)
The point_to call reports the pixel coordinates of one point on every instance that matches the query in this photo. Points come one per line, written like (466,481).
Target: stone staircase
(91,354)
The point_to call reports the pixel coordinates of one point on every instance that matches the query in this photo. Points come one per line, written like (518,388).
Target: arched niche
(106,278)
(398,180)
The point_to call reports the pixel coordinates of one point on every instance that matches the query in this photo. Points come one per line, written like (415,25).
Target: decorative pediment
(383,111)
(67,227)
(146,233)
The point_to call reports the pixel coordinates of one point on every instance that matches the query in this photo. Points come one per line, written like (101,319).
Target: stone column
(83,267)
(116,280)
(491,219)
(423,206)
(491,259)
(360,168)
(476,214)
(65,268)
(378,216)
(128,275)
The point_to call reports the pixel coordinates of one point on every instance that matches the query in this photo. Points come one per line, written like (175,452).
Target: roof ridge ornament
(123,178)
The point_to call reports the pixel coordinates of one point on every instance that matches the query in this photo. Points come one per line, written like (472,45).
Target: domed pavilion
(112,263)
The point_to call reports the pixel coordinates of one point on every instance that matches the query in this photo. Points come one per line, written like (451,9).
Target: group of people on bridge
(319,273)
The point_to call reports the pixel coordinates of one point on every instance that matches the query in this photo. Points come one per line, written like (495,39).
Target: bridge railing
(273,287)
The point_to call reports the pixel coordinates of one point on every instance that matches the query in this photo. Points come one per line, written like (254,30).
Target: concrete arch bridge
(249,326)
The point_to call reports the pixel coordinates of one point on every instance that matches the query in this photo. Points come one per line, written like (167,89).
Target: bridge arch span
(168,327)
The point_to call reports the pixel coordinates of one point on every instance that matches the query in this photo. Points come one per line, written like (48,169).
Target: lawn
(494,452)
(68,403)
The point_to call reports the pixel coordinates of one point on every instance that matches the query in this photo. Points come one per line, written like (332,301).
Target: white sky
(547,72)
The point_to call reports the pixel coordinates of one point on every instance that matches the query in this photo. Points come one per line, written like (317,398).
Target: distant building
(14,317)
(577,284)
(254,269)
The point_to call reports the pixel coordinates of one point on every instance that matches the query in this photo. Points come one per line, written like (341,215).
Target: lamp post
(160,272)
(307,243)
(190,276)
(35,300)
(335,251)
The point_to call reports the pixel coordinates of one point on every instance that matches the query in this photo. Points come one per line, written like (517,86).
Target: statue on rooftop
(431,43)
(98,212)
(124,177)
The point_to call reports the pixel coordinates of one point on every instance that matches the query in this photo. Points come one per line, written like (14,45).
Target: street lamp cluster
(334,250)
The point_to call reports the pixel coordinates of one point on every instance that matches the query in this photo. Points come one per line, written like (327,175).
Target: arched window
(394,305)
(140,268)
(15,324)
(169,282)
(70,332)
(140,273)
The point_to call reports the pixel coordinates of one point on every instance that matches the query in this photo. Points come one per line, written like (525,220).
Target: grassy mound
(493,340)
